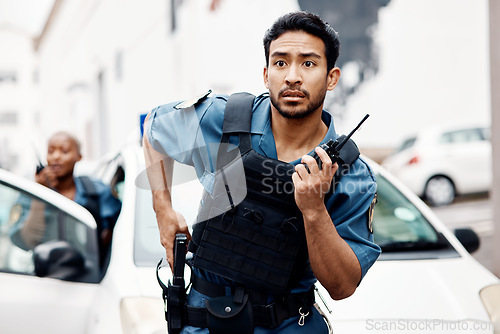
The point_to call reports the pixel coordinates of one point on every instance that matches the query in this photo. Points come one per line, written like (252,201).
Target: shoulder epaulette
(192,102)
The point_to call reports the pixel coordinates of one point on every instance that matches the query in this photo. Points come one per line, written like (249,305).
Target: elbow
(341,292)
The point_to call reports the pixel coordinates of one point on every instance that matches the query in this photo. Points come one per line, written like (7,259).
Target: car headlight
(142,315)
(490,297)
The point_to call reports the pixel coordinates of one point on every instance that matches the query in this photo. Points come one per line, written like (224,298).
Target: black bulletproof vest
(253,236)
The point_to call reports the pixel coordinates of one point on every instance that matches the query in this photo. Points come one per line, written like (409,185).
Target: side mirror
(58,259)
(468,238)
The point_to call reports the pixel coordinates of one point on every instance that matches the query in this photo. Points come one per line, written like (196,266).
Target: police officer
(32,228)
(295,223)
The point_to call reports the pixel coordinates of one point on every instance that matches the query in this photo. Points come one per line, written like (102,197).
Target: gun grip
(179,257)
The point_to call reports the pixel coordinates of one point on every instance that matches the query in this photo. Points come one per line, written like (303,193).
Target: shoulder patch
(370,212)
(193,101)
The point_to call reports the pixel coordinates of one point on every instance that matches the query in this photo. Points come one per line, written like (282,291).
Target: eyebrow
(303,55)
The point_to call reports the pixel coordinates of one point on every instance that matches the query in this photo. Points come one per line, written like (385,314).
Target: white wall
(18,98)
(434,68)
(221,50)
(102,63)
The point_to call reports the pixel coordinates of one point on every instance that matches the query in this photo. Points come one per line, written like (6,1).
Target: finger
(334,168)
(296,177)
(311,163)
(326,161)
(301,171)
(170,258)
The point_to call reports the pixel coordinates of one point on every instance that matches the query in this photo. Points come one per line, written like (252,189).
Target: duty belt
(265,315)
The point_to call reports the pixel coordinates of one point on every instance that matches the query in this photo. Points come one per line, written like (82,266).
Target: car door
(42,233)
(467,157)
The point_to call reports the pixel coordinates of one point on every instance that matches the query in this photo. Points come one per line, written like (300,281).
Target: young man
(322,230)
(63,152)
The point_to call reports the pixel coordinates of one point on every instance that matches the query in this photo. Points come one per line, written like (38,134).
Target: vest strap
(237,121)
(237,118)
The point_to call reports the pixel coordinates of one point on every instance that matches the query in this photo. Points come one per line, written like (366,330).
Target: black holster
(174,294)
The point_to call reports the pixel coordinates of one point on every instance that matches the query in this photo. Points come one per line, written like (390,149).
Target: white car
(442,162)
(425,278)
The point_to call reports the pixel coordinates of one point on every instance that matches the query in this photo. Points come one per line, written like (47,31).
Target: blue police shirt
(191,136)
(109,206)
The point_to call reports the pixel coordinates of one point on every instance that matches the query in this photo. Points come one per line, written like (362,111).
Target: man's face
(62,155)
(297,76)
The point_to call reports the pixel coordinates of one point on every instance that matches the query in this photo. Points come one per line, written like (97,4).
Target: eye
(308,63)
(280,63)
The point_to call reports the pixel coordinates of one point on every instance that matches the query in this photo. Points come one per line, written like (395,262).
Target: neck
(66,186)
(297,137)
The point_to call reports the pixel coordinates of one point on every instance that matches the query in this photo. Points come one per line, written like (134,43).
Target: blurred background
(93,67)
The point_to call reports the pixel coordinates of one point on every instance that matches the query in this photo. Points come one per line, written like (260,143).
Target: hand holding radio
(334,148)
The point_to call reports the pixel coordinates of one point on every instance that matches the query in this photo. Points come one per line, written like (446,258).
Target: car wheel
(439,191)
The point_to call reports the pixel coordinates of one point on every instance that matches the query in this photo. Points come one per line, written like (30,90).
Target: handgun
(176,293)
(333,148)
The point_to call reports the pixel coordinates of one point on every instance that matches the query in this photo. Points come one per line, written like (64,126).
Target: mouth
(293,94)
(55,167)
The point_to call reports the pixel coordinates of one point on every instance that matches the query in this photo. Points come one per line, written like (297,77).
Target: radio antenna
(342,143)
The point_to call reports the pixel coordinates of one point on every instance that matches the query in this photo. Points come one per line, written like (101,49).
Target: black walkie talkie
(333,148)
(40,166)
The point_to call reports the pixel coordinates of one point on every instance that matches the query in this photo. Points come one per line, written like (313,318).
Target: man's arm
(159,168)
(332,260)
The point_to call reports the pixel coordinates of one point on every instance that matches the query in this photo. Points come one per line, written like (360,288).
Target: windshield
(398,225)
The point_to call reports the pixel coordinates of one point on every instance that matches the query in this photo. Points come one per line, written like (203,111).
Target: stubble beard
(292,110)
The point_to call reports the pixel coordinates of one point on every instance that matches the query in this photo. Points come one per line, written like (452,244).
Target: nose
(54,155)
(293,76)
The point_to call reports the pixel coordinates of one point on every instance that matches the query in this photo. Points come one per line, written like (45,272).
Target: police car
(425,280)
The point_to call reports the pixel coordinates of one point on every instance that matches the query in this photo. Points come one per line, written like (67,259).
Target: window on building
(8,77)
(8,117)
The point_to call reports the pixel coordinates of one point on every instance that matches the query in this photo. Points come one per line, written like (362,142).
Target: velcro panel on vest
(258,239)
(248,250)
(242,271)
(252,258)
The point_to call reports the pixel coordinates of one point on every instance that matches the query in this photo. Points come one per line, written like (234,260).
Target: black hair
(309,23)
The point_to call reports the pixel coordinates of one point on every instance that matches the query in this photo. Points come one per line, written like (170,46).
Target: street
(474,212)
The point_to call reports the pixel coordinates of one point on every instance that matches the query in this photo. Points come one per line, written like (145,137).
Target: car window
(398,225)
(462,136)
(27,222)
(485,132)
(408,143)
(147,247)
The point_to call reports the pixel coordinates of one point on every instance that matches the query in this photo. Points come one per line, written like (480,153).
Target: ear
(266,77)
(333,78)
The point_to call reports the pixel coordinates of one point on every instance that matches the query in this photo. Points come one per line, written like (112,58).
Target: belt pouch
(229,315)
